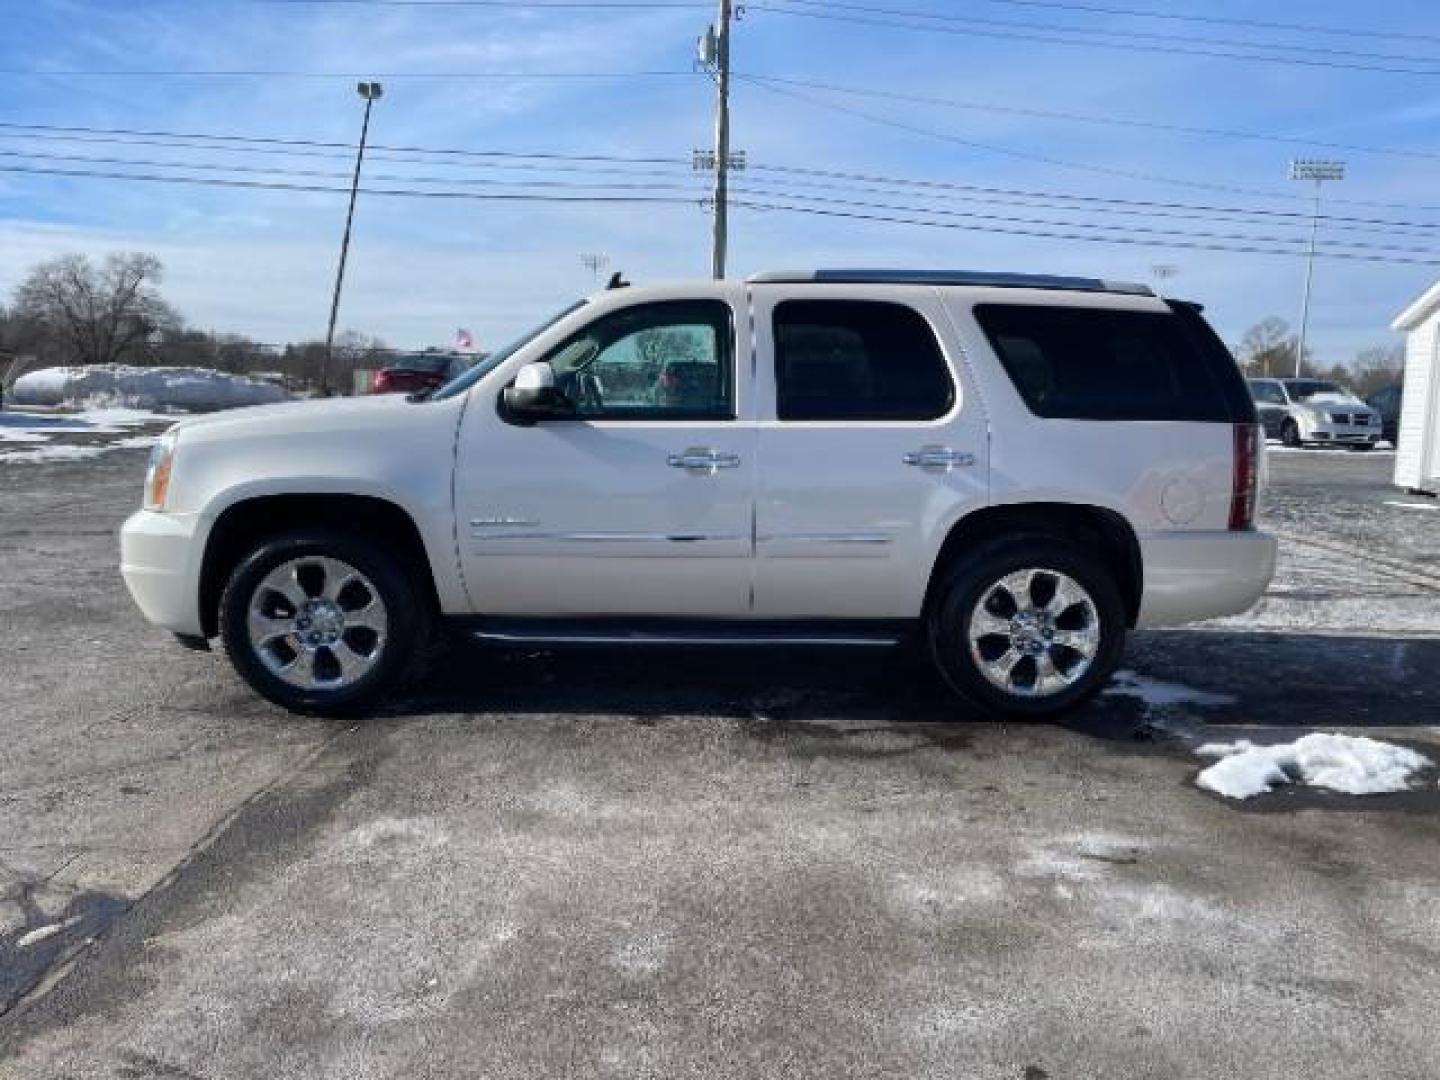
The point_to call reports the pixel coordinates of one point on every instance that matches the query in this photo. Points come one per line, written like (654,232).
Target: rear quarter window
(1106,364)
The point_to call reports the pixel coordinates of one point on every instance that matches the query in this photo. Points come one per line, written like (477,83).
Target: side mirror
(534,396)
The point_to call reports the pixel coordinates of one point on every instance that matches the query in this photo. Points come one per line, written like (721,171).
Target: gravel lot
(698,864)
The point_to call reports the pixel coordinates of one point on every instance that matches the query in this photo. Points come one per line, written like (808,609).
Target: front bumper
(159,560)
(1191,576)
(1328,432)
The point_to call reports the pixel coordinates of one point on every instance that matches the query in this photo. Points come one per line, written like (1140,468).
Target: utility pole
(370,91)
(1318,171)
(714,50)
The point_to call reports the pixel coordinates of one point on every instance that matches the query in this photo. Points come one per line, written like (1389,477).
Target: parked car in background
(1314,412)
(861,458)
(1386,401)
(418,372)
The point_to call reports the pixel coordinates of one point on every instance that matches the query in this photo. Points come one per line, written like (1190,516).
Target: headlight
(157,475)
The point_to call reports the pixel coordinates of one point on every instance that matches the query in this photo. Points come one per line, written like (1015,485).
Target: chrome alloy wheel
(1034,632)
(317,623)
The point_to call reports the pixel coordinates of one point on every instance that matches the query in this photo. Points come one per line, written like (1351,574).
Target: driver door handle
(703,461)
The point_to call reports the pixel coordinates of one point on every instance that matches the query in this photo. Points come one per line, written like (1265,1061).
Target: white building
(1417,451)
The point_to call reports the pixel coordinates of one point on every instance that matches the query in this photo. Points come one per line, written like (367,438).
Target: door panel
(849,513)
(597,516)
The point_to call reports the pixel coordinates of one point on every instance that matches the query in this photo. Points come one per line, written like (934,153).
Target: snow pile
(171,389)
(1346,763)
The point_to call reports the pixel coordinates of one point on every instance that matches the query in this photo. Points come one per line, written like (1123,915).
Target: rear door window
(1108,364)
(858,360)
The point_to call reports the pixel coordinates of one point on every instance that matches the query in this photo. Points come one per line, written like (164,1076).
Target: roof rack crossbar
(997,279)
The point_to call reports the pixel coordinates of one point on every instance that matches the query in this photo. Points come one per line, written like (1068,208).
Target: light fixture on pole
(371,92)
(1318,170)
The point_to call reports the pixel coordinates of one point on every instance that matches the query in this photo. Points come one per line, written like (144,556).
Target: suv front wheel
(320,622)
(1028,626)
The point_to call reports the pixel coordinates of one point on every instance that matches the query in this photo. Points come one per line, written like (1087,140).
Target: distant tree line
(1268,349)
(72,311)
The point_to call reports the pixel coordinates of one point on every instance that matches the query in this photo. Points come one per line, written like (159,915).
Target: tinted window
(669,360)
(1104,364)
(857,360)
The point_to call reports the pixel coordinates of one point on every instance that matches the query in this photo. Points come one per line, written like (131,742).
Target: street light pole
(370,91)
(1319,171)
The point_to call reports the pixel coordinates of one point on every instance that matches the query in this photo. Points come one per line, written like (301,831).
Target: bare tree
(1376,367)
(1268,349)
(101,314)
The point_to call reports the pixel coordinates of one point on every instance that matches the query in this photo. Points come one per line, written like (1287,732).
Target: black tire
(1290,434)
(974,576)
(1363,447)
(406,613)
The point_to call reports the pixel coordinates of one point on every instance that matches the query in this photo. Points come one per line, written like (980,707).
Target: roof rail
(948,277)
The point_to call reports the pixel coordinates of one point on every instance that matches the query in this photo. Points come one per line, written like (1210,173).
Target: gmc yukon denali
(1010,469)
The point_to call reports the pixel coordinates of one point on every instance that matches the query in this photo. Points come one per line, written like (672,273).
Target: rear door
(870,444)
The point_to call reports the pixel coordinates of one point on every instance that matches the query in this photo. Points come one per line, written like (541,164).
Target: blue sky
(261,262)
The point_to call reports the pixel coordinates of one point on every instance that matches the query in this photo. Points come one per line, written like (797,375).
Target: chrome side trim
(829,538)
(502,523)
(615,537)
(513,637)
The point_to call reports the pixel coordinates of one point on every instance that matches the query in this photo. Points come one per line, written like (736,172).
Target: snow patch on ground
(167,388)
(1157,693)
(1350,764)
(41,454)
(1412,505)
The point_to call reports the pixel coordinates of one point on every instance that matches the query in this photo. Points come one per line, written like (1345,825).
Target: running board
(869,633)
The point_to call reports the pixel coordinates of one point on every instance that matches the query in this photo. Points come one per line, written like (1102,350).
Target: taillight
(1245,487)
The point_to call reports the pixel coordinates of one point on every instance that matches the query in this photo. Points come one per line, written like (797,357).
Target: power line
(1108,228)
(968,20)
(1092,118)
(869,187)
(1045,35)
(346,146)
(320,189)
(1048,235)
(255,73)
(152,163)
(1044,159)
(598,164)
(1090,203)
(901,215)
(1140,13)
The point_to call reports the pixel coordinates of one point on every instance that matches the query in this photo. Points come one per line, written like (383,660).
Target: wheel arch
(243,524)
(1102,530)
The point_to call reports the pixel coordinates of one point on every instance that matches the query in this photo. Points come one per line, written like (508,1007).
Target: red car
(417,372)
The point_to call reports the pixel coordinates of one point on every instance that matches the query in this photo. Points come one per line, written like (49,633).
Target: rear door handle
(701,460)
(939,458)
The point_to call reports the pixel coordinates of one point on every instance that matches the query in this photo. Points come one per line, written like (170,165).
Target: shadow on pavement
(1276,680)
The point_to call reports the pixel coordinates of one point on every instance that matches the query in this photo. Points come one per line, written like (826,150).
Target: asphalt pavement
(690,863)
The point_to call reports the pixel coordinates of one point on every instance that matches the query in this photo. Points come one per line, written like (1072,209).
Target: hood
(314,414)
(1328,398)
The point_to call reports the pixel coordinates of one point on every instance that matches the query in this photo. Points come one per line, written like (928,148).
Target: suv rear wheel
(320,622)
(1290,433)
(1027,626)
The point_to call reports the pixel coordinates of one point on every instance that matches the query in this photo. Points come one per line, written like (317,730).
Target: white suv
(1012,469)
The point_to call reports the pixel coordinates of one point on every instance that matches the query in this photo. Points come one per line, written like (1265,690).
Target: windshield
(1304,389)
(470,377)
